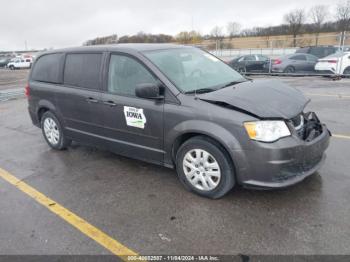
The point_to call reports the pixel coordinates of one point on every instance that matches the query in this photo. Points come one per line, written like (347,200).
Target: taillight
(332,61)
(27,90)
(277,62)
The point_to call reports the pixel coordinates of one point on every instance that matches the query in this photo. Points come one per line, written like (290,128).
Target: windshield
(192,69)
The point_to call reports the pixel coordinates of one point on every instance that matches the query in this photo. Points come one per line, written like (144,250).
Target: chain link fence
(325,54)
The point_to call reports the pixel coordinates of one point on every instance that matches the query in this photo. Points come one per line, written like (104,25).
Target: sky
(64,23)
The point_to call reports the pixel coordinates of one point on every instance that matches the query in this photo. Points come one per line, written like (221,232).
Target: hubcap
(51,131)
(201,169)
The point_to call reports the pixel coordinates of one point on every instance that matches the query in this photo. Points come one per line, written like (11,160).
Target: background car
(294,63)
(4,61)
(19,63)
(250,63)
(335,63)
(319,51)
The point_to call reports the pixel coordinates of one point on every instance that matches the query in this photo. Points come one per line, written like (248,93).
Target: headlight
(267,131)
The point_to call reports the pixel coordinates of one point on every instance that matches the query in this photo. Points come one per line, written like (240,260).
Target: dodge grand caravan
(180,107)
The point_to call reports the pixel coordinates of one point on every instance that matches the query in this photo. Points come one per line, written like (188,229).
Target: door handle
(109,103)
(91,100)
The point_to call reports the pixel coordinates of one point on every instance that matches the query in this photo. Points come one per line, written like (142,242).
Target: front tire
(346,72)
(204,167)
(53,132)
(242,70)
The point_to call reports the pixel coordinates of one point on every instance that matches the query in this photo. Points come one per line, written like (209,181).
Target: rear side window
(249,58)
(330,50)
(311,58)
(318,51)
(83,70)
(47,68)
(302,50)
(262,58)
(298,57)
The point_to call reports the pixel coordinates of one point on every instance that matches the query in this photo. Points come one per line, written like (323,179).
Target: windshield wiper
(207,89)
(201,91)
(233,83)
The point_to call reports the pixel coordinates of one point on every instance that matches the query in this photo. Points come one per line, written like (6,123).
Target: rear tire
(12,67)
(204,167)
(53,132)
(289,69)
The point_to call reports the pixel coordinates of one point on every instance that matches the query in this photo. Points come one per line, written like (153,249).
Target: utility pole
(192,22)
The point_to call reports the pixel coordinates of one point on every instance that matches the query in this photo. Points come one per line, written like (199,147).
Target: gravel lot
(12,79)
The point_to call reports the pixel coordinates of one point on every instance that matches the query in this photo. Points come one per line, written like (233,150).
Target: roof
(119,47)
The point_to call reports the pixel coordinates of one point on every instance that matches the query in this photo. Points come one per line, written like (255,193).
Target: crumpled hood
(262,98)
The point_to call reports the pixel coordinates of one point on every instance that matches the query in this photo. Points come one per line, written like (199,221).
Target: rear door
(133,125)
(261,62)
(250,62)
(79,97)
(22,63)
(299,62)
(311,62)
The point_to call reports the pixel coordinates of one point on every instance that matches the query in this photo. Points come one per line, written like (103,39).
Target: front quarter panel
(202,118)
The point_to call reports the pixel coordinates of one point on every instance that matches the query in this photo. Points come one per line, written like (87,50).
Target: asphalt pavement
(145,207)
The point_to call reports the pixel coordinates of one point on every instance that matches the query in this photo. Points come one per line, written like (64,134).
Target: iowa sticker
(134,117)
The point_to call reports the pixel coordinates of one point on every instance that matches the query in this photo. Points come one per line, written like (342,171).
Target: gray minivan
(180,107)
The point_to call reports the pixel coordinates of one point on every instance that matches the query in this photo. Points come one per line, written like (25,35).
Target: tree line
(319,19)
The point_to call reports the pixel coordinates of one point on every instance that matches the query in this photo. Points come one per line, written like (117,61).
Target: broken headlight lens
(267,131)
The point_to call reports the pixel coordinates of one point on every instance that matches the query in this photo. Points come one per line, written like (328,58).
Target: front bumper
(282,163)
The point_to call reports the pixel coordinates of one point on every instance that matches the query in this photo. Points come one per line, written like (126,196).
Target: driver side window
(125,73)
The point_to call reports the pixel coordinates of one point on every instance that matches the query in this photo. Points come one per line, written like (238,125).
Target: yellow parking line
(329,95)
(79,223)
(341,136)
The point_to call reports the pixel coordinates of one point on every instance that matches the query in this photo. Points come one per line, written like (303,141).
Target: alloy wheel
(51,131)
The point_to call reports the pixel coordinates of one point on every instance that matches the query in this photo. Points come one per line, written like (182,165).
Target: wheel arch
(346,68)
(289,66)
(44,106)
(214,132)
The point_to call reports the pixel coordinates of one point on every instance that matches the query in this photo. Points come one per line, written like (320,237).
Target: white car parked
(337,63)
(19,63)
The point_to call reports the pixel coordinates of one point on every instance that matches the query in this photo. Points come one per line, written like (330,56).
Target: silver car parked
(294,63)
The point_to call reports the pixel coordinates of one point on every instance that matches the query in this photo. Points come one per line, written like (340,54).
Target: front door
(133,126)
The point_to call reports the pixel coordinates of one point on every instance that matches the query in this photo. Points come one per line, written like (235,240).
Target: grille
(298,121)
(307,126)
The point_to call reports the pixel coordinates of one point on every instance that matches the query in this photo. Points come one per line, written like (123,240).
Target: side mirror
(148,90)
